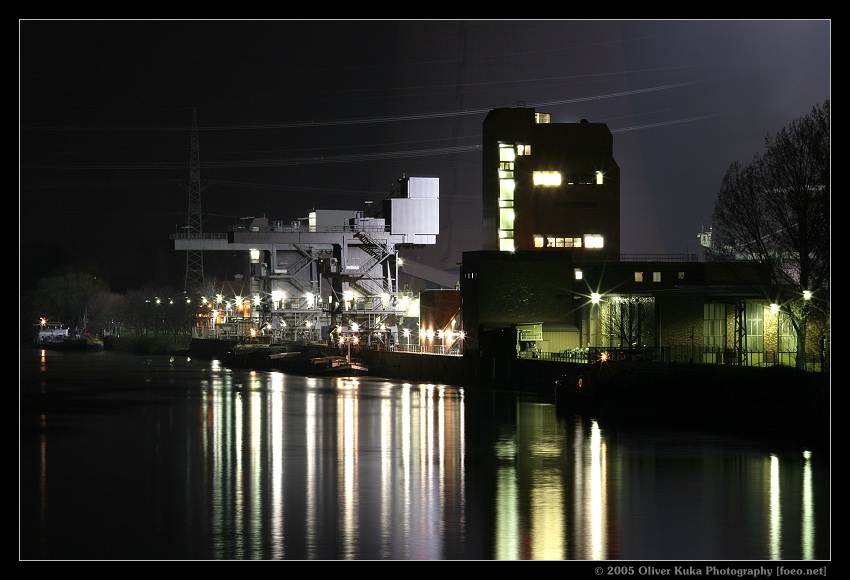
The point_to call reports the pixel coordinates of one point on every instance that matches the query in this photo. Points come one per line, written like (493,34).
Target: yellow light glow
(593,241)
(547,178)
(506,153)
(506,245)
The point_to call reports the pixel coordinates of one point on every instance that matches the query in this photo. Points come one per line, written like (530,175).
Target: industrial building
(332,271)
(550,280)
(549,185)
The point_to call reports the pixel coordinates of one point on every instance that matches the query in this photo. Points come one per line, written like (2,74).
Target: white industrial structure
(330,272)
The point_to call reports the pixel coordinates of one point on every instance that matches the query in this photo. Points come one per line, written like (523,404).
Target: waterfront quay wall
(211,347)
(528,375)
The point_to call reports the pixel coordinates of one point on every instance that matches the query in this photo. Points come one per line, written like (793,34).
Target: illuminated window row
(589,241)
(556,242)
(507,185)
(554,178)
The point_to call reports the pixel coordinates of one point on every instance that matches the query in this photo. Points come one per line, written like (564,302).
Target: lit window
(506,245)
(523,149)
(542,117)
(681,275)
(506,188)
(506,218)
(506,152)
(578,273)
(593,241)
(538,241)
(547,178)
(638,276)
(656,276)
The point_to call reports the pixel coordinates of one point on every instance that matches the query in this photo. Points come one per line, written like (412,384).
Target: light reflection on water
(131,457)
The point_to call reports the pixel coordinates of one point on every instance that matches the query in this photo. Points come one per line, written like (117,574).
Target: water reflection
(289,465)
(163,458)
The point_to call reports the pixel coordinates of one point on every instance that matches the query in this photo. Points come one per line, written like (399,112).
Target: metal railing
(814,362)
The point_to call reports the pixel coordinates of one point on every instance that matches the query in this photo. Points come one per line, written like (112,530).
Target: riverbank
(777,403)
(148,344)
(774,402)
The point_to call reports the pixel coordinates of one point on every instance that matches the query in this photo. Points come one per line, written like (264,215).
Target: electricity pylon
(194,258)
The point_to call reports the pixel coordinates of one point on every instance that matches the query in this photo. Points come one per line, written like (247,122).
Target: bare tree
(630,321)
(776,211)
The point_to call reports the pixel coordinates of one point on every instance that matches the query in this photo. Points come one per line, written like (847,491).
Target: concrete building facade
(549,185)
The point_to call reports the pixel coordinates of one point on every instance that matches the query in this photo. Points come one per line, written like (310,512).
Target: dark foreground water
(134,457)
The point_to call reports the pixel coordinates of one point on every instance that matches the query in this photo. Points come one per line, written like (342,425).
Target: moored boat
(294,359)
(53,336)
(337,365)
(253,355)
(314,361)
(83,344)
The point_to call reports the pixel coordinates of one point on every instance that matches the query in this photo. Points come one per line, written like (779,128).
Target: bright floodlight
(595,297)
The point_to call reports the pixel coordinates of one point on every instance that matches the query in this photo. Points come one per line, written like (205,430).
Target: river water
(135,457)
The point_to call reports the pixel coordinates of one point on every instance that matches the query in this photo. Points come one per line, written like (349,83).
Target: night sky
(297,115)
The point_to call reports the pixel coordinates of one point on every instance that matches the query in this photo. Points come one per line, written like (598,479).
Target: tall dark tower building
(549,185)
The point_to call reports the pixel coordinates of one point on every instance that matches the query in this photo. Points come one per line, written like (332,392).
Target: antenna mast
(194,258)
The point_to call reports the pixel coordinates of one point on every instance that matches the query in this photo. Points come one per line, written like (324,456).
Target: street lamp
(348,340)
